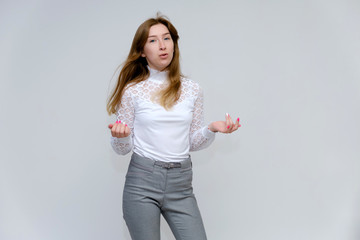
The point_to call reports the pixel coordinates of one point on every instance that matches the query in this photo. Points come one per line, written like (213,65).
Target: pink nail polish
(228,127)
(117,121)
(238,119)
(239,125)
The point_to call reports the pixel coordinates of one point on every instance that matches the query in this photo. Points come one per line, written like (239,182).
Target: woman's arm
(202,136)
(122,129)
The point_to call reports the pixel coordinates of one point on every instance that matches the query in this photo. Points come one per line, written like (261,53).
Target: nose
(162,45)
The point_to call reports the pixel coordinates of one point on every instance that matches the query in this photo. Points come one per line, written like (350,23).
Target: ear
(143,55)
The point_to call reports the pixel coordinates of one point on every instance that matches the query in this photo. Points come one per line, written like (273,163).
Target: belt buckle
(168,165)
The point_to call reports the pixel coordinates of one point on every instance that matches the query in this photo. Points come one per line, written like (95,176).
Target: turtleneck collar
(157,75)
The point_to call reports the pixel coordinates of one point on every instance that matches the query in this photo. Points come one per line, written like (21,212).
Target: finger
(118,130)
(237,124)
(121,131)
(233,126)
(231,123)
(110,126)
(227,117)
(114,124)
(127,130)
(113,130)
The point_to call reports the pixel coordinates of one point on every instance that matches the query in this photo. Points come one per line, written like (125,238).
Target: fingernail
(227,114)
(125,125)
(228,126)
(239,125)
(238,119)
(117,121)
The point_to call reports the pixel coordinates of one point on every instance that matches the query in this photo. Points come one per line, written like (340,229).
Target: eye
(167,38)
(152,40)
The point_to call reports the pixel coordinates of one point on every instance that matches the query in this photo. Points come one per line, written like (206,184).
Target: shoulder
(191,87)
(130,93)
(191,84)
(132,89)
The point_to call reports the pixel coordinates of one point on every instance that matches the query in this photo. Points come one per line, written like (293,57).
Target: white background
(289,69)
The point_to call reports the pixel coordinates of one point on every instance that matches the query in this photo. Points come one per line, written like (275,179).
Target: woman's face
(159,47)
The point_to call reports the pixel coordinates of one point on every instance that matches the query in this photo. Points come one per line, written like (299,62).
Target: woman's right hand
(119,129)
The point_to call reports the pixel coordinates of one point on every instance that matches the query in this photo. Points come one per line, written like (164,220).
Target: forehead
(158,30)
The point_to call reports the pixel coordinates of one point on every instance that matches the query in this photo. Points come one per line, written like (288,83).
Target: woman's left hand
(227,126)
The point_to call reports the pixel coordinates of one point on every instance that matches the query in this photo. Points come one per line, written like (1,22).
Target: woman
(160,118)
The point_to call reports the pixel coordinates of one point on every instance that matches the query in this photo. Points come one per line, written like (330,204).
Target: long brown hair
(135,67)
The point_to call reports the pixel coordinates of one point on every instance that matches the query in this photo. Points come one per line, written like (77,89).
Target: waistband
(147,162)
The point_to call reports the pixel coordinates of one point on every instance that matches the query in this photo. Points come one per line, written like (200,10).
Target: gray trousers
(153,188)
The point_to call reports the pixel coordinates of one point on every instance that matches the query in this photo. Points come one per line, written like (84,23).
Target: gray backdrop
(289,69)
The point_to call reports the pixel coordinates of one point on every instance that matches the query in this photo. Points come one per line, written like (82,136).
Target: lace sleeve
(125,114)
(200,136)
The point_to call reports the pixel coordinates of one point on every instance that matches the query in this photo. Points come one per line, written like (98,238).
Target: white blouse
(157,133)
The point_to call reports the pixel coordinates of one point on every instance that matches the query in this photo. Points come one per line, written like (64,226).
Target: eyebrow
(161,35)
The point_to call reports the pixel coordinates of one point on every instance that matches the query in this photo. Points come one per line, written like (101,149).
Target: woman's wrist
(211,128)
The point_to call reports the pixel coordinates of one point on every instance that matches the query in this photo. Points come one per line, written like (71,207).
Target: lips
(164,55)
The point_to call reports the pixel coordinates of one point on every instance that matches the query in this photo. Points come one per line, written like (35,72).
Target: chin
(164,67)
